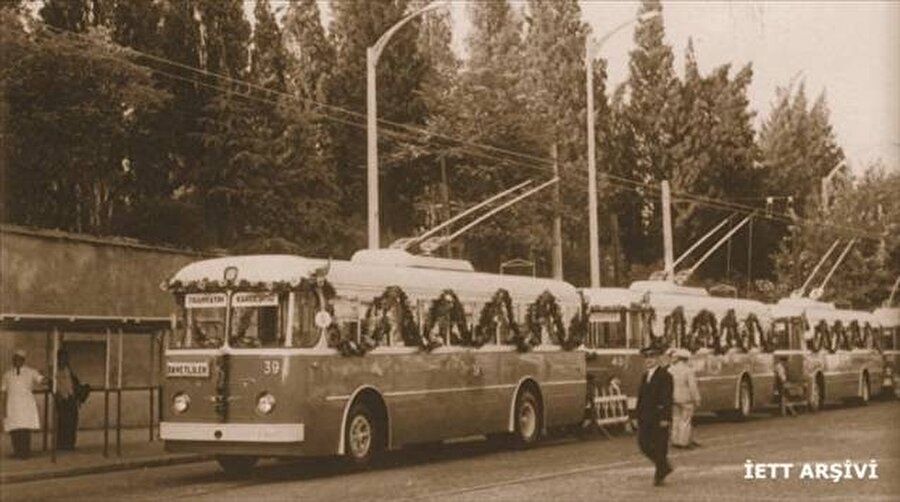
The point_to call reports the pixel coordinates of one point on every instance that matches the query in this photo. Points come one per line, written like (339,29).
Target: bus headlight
(181,402)
(265,403)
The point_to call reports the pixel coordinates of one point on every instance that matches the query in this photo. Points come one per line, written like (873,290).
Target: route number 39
(271,367)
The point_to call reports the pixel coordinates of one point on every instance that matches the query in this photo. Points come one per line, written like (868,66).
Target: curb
(124,465)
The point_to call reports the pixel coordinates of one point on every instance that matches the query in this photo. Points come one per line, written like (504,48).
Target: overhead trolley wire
(410,133)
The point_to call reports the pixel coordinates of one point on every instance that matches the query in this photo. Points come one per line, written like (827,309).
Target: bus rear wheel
(527,418)
(361,434)
(236,465)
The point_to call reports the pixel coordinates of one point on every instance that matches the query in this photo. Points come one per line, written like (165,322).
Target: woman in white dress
(21,407)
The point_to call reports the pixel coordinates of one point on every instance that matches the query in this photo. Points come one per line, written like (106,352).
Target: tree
(488,106)
(74,107)
(645,131)
(355,26)
(869,212)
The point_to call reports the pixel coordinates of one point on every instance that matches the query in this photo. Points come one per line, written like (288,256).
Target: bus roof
(373,273)
(816,311)
(888,316)
(666,287)
(666,296)
(612,298)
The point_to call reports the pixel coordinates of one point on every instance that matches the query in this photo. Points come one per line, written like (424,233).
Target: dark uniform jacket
(654,402)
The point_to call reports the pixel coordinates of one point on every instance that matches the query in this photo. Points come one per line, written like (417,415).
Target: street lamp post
(591,49)
(372,55)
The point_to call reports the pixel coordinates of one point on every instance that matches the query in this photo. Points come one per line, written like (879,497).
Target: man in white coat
(685,399)
(21,407)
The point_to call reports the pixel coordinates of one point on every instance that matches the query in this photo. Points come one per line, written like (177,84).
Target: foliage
(865,277)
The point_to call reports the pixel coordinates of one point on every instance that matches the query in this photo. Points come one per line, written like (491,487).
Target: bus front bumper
(254,433)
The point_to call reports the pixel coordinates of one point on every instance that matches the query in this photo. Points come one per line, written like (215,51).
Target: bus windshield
(199,328)
(258,320)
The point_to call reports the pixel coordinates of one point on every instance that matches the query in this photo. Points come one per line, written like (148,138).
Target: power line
(541,163)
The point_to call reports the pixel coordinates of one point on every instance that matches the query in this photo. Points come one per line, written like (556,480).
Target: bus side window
(305,333)
(636,328)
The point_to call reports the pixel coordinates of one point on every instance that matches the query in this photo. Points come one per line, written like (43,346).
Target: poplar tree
(355,26)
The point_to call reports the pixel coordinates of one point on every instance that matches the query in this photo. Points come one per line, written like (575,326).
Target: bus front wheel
(236,465)
(361,434)
(527,418)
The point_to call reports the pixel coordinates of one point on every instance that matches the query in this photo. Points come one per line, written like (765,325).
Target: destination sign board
(187,369)
(205,300)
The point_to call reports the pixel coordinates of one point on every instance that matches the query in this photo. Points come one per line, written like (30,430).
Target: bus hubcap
(527,420)
(360,436)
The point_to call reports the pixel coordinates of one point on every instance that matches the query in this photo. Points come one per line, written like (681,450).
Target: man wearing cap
(21,408)
(685,398)
(654,412)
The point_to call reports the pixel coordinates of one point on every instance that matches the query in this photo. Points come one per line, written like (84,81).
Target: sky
(850,50)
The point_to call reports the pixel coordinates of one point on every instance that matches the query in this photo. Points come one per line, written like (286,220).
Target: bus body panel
(453,392)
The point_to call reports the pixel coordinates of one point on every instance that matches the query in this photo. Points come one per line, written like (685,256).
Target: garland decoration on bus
(446,322)
(868,337)
(497,321)
(544,315)
(838,337)
(389,317)
(728,330)
(757,336)
(674,330)
(704,333)
(821,337)
(856,335)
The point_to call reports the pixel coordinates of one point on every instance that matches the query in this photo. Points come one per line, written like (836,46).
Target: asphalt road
(561,469)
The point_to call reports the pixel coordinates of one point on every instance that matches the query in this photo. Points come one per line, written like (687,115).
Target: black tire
(361,435)
(527,420)
(745,400)
(237,466)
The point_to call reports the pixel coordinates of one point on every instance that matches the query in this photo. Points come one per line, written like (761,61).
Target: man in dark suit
(654,412)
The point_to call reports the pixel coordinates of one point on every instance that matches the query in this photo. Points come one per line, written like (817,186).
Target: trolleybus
(728,338)
(889,318)
(832,351)
(290,356)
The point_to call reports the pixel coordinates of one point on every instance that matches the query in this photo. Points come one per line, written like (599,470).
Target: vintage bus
(832,351)
(728,338)
(291,356)
(619,325)
(889,318)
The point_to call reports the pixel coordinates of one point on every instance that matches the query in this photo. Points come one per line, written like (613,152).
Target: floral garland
(869,333)
(821,337)
(378,324)
(728,329)
(838,337)
(446,310)
(856,336)
(544,310)
(758,337)
(674,331)
(496,314)
(704,332)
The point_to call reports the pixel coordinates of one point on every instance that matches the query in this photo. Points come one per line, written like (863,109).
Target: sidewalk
(137,452)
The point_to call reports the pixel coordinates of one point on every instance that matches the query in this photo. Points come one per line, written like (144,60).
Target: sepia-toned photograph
(449,250)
